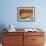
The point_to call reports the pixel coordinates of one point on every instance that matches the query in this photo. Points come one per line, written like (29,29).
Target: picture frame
(26,14)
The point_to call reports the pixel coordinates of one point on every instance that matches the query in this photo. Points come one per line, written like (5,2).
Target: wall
(8,13)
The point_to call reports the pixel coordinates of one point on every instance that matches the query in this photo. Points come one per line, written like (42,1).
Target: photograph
(26,14)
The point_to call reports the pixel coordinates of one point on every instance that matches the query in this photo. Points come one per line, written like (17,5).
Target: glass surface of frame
(26,14)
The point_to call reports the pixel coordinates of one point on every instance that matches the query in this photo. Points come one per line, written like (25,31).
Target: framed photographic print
(26,14)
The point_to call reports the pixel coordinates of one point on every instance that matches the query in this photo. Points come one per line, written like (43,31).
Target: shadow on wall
(2,26)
